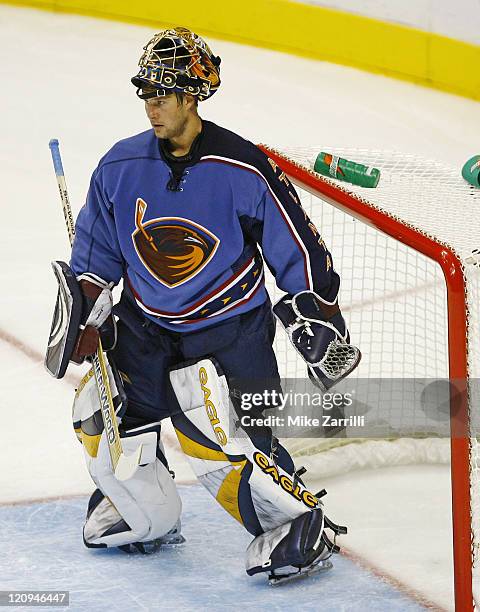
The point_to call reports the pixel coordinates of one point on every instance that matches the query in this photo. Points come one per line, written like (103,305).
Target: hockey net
(408,254)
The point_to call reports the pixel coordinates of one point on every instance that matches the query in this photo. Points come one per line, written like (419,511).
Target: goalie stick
(123,465)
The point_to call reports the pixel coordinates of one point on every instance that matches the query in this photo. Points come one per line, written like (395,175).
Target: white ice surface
(68,77)
(207,573)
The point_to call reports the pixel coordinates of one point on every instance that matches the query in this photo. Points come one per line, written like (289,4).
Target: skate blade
(275,580)
(153,546)
(175,542)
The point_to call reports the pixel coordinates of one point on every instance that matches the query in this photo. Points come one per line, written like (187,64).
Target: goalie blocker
(318,332)
(82,313)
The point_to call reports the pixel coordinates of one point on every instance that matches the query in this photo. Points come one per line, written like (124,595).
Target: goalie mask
(177,60)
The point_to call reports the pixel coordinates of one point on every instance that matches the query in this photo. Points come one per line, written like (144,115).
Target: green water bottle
(346,170)
(471,171)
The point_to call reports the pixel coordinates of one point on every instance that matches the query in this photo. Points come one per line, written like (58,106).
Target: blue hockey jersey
(190,255)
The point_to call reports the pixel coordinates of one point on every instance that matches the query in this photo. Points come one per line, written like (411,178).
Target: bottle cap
(471,171)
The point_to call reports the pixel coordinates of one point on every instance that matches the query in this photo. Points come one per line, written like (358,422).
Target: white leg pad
(148,502)
(141,508)
(245,481)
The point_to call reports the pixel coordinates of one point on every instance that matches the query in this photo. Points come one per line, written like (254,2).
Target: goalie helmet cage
(409,260)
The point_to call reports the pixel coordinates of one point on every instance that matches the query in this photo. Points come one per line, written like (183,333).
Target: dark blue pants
(145,351)
(242,346)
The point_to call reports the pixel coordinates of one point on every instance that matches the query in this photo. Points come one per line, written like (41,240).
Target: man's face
(167,116)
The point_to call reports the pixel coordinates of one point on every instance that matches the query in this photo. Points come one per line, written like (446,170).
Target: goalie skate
(172,539)
(280,577)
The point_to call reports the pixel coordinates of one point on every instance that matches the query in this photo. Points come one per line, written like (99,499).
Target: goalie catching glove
(319,334)
(82,313)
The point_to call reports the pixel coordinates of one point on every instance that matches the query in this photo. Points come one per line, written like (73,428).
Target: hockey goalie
(186,215)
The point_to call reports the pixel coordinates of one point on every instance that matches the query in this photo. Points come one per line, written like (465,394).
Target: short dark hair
(180,95)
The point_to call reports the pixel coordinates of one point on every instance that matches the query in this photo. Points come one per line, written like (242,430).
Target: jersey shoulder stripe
(222,146)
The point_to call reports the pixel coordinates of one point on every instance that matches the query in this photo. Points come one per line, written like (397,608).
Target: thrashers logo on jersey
(173,249)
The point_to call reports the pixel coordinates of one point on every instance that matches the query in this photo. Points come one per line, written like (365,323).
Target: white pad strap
(304,319)
(103,304)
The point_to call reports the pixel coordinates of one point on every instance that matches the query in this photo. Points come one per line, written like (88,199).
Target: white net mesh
(394,299)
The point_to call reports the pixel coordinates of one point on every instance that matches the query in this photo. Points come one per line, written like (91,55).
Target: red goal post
(402,223)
